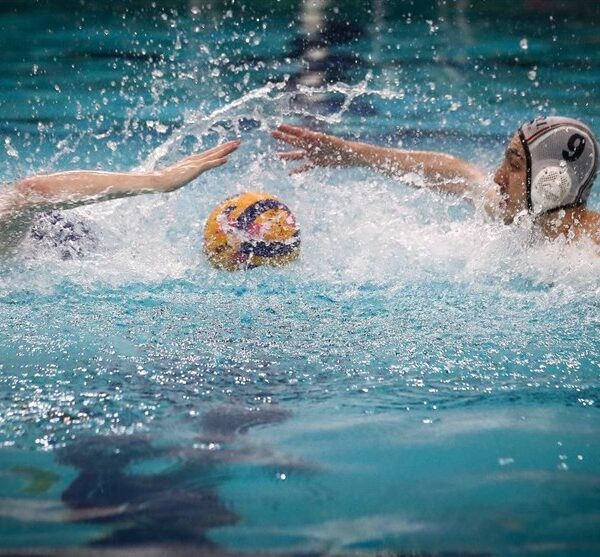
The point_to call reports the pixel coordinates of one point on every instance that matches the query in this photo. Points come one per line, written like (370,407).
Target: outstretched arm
(19,202)
(443,172)
(71,189)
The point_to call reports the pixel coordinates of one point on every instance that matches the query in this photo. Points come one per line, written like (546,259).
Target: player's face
(511,177)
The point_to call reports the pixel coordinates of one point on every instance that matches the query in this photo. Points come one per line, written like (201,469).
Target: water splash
(356,225)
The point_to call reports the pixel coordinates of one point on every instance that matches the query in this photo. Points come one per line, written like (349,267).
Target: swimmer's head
(250,230)
(550,164)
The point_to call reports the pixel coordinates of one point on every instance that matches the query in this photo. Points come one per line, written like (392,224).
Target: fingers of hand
(200,160)
(292,155)
(302,168)
(207,165)
(303,133)
(291,139)
(198,166)
(230,146)
(222,150)
(292,130)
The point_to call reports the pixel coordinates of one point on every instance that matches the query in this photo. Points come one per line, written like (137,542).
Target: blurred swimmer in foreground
(548,171)
(23,201)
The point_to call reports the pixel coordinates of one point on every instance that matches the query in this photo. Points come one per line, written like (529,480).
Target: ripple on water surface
(413,344)
(400,298)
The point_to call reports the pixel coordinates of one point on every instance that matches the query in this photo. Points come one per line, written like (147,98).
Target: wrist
(160,181)
(356,153)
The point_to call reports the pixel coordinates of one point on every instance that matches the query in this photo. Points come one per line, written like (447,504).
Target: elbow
(32,193)
(32,188)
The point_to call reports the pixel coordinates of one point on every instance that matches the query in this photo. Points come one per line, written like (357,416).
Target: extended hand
(317,149)
(186,170)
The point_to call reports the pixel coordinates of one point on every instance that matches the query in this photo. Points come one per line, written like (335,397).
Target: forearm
(442,171)
(70,189)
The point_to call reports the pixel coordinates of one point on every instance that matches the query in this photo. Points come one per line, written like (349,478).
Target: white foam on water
(357,226)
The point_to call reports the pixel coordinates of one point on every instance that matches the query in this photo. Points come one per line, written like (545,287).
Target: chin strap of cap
(528,167)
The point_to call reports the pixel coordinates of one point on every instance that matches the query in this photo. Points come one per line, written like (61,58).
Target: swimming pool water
(420,381)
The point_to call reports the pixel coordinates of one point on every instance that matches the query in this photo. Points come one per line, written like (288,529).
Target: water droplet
(10,150)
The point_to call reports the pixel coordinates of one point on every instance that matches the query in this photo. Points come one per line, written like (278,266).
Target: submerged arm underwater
(22,200)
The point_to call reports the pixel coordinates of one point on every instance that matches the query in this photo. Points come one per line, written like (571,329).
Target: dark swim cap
(562,163)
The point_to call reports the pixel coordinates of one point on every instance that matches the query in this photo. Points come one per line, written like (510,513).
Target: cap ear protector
(562,162)
(550,187)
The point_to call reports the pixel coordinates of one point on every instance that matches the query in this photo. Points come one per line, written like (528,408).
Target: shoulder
(589,223)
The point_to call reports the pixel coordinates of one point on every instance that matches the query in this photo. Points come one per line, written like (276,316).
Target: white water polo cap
(562,162)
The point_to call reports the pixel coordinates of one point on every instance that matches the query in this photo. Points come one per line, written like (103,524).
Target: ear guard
(550,188)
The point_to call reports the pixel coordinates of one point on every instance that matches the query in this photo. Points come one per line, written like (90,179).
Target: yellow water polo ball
(250,230)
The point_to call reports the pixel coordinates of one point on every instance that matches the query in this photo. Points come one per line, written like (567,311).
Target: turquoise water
(421,381)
